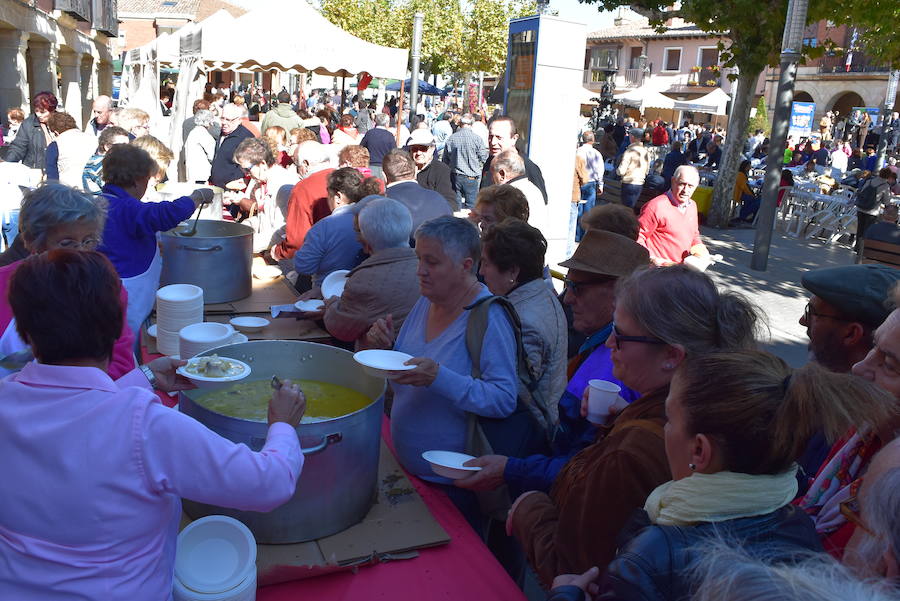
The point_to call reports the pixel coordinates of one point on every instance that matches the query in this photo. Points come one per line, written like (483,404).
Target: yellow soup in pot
(250,400)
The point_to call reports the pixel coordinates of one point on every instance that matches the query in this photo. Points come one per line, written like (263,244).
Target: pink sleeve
(122,360)
(182,456)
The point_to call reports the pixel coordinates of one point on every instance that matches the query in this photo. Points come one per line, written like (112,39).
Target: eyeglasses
(620,338)
(69,244)
(419,148)
(577,288)
(246,170)
(850,510)
(808,312)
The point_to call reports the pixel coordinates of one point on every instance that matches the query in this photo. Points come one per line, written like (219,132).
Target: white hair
(382,119)
(314,153)
(685,169)
(510,161)
(881,513)
(458,237)
(726,572)
(203,118)
(384,223)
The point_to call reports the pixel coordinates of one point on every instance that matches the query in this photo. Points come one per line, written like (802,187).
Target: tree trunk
(720,213)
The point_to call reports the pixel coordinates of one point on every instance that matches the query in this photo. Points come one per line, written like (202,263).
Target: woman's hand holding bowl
(167,379)
(288,404)
(423,375)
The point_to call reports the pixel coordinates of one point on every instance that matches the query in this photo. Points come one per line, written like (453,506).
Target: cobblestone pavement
(777,291)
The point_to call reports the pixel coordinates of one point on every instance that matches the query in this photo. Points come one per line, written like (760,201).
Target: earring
(692,466)
(668,366)
(512,281)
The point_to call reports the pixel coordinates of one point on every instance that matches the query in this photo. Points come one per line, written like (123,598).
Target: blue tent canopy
(425,88)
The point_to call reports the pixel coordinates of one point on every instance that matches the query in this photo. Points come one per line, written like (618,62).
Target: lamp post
(790,56)
(889,98)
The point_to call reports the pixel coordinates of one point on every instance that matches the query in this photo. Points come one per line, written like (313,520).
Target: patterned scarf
(838,480)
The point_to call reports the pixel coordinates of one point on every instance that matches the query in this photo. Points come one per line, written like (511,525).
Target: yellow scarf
(719,497)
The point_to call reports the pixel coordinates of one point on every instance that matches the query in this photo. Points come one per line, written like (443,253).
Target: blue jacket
(537,472)
(329,245)
(654,562)
(129,237)
(423,204)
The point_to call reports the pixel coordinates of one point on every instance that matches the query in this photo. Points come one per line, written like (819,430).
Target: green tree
(485,34)
(761,119)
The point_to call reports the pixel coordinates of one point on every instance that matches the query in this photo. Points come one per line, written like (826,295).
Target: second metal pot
(217,259)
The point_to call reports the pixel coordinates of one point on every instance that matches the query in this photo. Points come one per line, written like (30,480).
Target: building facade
(59,46)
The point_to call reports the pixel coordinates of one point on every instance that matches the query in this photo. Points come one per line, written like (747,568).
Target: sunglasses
(577,288)
(620,338)
(850,510)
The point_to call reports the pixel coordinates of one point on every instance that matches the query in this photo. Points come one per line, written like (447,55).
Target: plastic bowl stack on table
(199,337)
(177,306)
(215,560)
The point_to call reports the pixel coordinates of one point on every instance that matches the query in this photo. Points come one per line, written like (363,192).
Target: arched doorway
(845,102)
(803,97)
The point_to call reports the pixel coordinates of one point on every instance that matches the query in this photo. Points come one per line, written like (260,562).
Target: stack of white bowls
(215,560)
(199,337)
(177,306)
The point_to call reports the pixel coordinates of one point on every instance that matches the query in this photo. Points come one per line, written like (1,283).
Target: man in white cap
(431,174)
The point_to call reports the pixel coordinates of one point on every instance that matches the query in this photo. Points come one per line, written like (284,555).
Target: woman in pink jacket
(95,469)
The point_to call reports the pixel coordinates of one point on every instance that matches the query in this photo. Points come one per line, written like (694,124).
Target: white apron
(142,293)
(10,343)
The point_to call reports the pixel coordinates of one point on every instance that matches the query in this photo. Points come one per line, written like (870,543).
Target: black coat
(654,562)
(30,145)
(224,169)
(436,176)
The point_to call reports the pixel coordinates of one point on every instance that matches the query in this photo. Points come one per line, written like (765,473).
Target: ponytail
(761,413)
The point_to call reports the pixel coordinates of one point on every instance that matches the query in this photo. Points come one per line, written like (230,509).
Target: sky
(586,13)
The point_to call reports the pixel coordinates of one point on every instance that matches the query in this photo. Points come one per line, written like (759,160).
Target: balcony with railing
(702,80)
(858,63)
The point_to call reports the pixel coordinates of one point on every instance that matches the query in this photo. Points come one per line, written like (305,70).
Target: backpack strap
(475,330)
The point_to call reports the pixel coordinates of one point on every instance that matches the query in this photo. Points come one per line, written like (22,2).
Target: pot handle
(205,249)
(326,440)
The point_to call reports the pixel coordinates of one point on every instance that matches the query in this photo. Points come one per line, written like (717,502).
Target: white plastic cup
(602,398)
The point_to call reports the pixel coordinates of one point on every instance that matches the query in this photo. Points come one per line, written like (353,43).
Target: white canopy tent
(236,44)
(713,103)
(588,96)
(645,97)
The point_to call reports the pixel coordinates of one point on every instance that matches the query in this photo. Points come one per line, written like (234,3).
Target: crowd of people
(714,442)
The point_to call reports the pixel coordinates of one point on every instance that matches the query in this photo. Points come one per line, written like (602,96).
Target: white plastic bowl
(207,331)
(214,554)
(309,305)
(449,464)
(207,382)
(179,293)
(249,323)
(334,282)
(245,591)
(151,331)
(381,364)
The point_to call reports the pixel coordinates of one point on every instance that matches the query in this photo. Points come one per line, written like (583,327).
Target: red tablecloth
(462,570)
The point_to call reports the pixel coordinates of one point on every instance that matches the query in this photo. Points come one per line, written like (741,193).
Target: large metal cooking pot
(217,258)
(337,486)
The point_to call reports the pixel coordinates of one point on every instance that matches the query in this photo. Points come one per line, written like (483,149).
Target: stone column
(88,85)
(44,57)
(70,94)
(13,71)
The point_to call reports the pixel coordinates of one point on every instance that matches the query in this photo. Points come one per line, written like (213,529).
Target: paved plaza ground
(777,291)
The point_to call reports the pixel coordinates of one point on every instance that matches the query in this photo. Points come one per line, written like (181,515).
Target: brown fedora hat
(606,253)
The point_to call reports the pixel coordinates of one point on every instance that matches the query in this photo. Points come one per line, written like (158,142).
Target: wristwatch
(151,377)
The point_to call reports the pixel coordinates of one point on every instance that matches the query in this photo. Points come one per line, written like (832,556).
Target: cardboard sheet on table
(263,295)
(397,525)
(280,329)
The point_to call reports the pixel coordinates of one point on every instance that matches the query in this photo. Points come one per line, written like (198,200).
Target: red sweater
(666,232)
(308,204)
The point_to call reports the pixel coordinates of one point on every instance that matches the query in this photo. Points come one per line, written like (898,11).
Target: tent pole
(400,110)
(343,92)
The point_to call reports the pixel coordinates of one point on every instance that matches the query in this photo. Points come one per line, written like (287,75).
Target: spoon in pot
(203,201)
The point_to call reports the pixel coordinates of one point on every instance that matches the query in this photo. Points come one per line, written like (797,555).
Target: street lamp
(889,98)
(790,56)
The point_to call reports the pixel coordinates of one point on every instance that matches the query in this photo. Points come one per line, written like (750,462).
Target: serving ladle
(193,229)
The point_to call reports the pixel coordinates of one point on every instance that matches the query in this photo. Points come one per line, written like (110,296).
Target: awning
(644,97)
(424,87)
(713,103)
